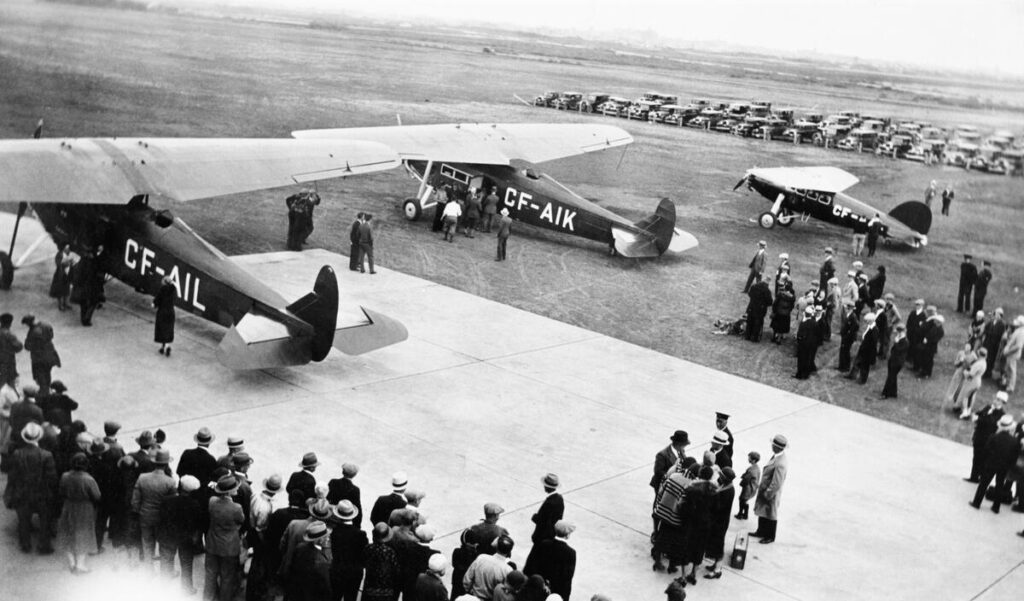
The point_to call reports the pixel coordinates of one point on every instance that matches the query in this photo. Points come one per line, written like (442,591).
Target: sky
(985,35)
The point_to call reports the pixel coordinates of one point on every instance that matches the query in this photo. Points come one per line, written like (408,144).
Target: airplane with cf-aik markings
(502,156)
(817,192)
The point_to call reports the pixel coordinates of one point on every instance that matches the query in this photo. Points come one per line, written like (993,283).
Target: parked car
(802,131)
(615,106)
(591,103)
(568,101)
(726,124)
(641,108)
(545,99)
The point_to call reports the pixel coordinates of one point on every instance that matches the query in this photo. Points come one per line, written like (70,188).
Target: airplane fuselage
(141,246)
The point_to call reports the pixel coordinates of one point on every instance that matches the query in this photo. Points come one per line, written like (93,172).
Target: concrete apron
(484,399)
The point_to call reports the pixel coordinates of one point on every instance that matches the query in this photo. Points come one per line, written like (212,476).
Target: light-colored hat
(399,480)
(780,441)
(189,483)
(851,274)
(345,510)
(551,480)
(832,281)
(203,436)
(889,296)
(564,528)
(1018,321)
(1002,396)
(163,457)
(783,255)
(272,483)
(32,432)
(425,533)
(857,264)
(349,470)
(762,243)
(809,310)
(235,442)
(1006,421)
(504,212)
(720,437)
(314,531)
(319,508)
(828,250)
(879,302)
(870,318)
(437,563)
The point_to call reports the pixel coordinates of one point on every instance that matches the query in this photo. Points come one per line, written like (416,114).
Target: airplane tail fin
(915,215)
(319,309)
(659,234)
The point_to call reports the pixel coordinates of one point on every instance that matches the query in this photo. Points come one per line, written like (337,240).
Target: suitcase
(739,551)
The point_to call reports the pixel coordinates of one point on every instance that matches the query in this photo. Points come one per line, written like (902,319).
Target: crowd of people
(694,497)
(471,210)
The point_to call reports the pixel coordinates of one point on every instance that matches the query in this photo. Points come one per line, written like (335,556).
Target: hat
(349,470)
(28,320)
(870,317)
(203,436)
(6,320)
(863,277)
(241,459)
(504,212)
(98,447)
(399,480)
(314,531)
(851,273)
(879,302)
(437,563)
(111,428)
(564,528)
(783,255)
(319,508)
(832,281)
(1018,321)
(272,484)
(31,389)
(721,416)
(889,296)
(857,264)
(189,483)
(79,461)
(1006,421)
(83,440)
(58,386)
(780,441)
(967,257)
(493,509)
(236,442)
(828,250)
(515,579)
(901,327)
(681,437)
(345,510)
(728,474)
(762,243)
(145,439)
(309,460)
(986,264)
(1003,396)
(425,533)
(720,438)
(226,485)
(809,310)
(999,310)
(550,480)
(163,457)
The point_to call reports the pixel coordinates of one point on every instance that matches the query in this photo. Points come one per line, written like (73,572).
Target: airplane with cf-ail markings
(502,156)
(817,192)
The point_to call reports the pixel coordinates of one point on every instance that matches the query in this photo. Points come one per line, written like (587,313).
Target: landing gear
(766,220)
(411,208)
(786,218)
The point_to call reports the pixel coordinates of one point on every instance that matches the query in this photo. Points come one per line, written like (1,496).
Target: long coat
(551,510)
(769,492)
(343,488)
(164,303)
(77,524)
(39,343)
(555,560)
(32,479)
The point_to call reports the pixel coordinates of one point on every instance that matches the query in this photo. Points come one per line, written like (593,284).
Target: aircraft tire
(6,271)
(786,219)
(766,220)
(411,208)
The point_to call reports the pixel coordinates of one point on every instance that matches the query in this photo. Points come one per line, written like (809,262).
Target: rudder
(319,309)
(662,224)
(915,215)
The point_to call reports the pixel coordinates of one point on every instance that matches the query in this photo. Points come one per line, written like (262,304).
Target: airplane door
(477,182)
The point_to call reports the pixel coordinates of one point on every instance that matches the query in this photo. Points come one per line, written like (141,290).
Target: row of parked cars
(1000,153)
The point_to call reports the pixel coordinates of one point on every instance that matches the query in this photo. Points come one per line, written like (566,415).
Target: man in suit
(504,232)
(555,560)
(366,243)
(385,504)
(756,264)
(947,199)
(882,327)
(806,344)
(994,330)
(867,353)
(668,456)
(931,333)
(981,286)
(487,532)
(968,277)
(722,424)
(344,488)
(150,489)
(223,543)
(199,462)
(31,486)
(354,260)
(760,300)
(769,492)
(985,422)
(897,357)
(551,510)
(827,270)
(309,578)
(348,543)
(915,324)
(39,344)
(304,479)
(9,346)
(1001,452)
(236,444)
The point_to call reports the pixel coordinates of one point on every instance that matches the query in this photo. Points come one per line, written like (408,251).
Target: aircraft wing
(113,170)
(822,179)
(490,144)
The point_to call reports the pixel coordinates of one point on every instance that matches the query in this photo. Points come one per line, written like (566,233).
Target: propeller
(742,181)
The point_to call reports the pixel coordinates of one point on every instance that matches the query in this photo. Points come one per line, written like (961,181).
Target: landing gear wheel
(766,220)
(411,208)
(786,219)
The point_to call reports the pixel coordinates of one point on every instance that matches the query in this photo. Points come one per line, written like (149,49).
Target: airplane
(503,156)
(817,192)
(94,194)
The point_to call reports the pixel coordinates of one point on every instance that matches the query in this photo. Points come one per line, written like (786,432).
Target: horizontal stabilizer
(380,331)
(657,234)
(915,215)
(258,342)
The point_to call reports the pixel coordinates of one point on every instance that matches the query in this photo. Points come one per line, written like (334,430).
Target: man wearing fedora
(722,425)
(261,508)
(236,444)
(304,479)
(769,492)
(319,511)
(276,527)
(344,488)
(555,560)
(385,504)
(199,462)
(31,483)
(551,510)
(150,489)
(718,444)
(223,543)
(348,543)
(668,457)
(240,463)
(57,406)
(1001,452)
(310,576)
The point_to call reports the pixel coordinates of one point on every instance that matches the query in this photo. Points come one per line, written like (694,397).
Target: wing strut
(22,207)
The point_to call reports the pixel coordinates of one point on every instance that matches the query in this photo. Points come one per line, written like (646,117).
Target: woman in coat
(720,513)
(77,525)
(670,536)
(961,364)
(972,381)
(60,285)
(697,515)
(164,325)
(782,309)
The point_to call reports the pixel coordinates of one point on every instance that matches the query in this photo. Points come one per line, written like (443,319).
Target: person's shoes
(713,575)
(168,353)
(1017,508)
(658,567)
(373,273)
(767,541)
(160,350)
(974,505)
(974,480)
(995,509)
(756,534)
(362,271)
(352,269)
(1021,533)
(692,579)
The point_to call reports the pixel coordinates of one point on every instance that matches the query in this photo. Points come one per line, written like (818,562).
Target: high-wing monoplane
(503,156)
(804,192)
(94,194)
